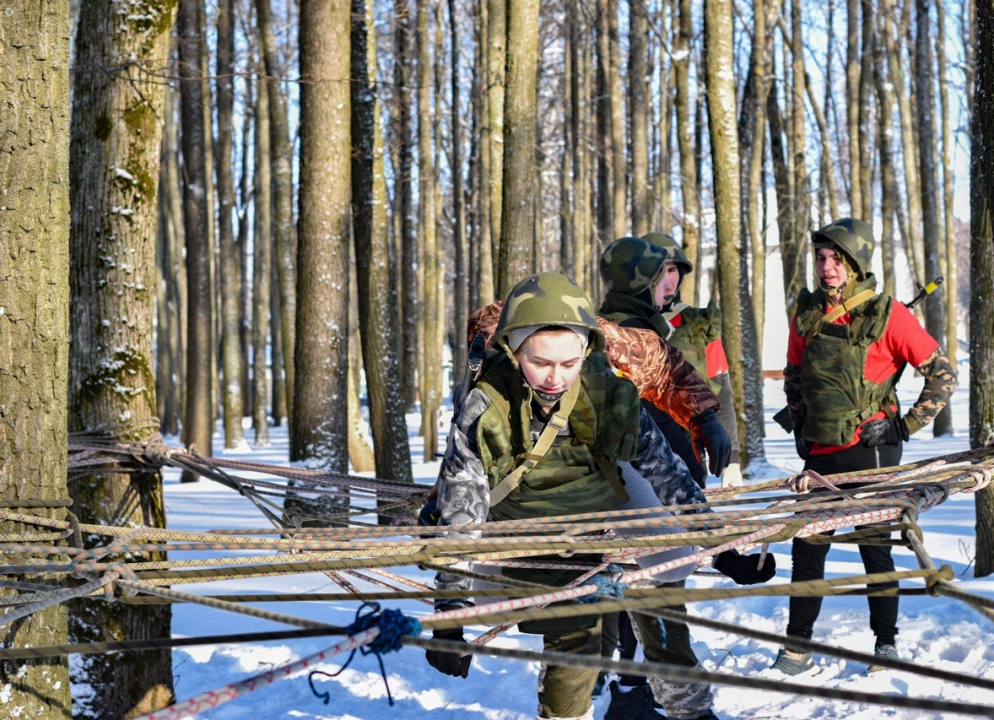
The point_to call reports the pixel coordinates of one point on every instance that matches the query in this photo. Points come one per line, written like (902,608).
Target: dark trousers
(809,558)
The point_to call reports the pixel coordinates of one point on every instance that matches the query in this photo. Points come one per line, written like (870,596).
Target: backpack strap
(840,310)
(552,429)
(678,307)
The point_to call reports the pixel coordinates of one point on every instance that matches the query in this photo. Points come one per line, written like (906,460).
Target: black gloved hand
(801,443)
(449,663)
(743,568)
(886,431)
(711,436)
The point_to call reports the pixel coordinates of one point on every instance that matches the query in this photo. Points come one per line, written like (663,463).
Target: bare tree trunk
(888,175)
(360,447)
(685,141)
(497,34)
(262,270)
(827,166)
(245,192)
(427,241)
(720,79)
(34,343)
(605,154)
(852,105)
(793,279)
(518,221)
(231,280)
(865,90)
(318,427)
(909,148)
(638,109)
(113,184)
(949,246)
(277,363)
(460,295)
(580,104)
(982,273)
(566,201)
(661,182)
(619,213)
(198,425)
(935,305)
(281,161)
(377,302)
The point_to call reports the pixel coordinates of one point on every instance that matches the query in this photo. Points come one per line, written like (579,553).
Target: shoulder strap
(678,307)
(552,428)
(840,310)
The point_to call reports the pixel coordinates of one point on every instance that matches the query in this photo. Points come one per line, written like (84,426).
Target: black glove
(711,436)
(801,443)
(742,568)
(449,663)
(886,431)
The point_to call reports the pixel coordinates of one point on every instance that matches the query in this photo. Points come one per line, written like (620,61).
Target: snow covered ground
(937,632)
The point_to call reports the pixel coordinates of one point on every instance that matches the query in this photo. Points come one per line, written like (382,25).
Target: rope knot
(608,584)
(393,625)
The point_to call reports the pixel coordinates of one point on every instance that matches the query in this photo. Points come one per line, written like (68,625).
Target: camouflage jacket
(464,488)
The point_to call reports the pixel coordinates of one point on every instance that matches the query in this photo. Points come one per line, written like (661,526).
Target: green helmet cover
(850,237)
(674,253)
(547,299)
(629,265)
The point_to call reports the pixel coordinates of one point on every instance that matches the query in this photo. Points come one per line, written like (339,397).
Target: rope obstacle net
(319,527)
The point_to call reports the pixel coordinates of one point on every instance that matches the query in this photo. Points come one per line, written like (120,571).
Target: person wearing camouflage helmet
(544,432)
(846,350)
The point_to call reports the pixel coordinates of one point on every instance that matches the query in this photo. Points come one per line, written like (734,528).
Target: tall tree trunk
(377,302)
(518,221)
(865,132)
(277,363)
(460,295)
(34,294)
(909,148)
(605,154)
(661,182)
(486,258)
(281,162)
(722,127)
(198,424)
(852,105)
(948,149)
(888,175)
(169,270)
(403,184)
(639,104)
(262,263)
(318,427)
(793,279)
(827,166)
(210,195)
(580,105)
(231,279)
(982,273)
(497,62)
(685,141)
(360,447)
(935,313)
(245,192)
(619,204)
(114,173)
(430,354)
(566,200)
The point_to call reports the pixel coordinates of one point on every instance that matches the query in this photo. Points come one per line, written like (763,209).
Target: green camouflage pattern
(700,327)
(940,382)
(547,299)
(604,421)
(629,265)
(673,250)
(836,394)
(853,238)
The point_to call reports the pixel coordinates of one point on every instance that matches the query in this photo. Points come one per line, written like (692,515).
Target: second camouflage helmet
(850,236)
(547,299)
(629,265)
(674,252)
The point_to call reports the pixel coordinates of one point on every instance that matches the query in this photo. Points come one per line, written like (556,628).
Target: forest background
(237,208)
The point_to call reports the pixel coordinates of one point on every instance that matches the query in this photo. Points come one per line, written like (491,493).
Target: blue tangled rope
(393,625)
(608,584)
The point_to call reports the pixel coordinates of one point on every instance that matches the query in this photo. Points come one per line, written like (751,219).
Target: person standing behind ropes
(847,348)
(541,434)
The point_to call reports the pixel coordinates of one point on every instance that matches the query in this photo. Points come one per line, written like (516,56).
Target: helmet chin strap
(548,397)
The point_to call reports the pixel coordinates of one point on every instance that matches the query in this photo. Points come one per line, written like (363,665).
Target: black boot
(636,704)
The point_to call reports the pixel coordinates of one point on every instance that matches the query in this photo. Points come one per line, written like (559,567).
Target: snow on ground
(936,632)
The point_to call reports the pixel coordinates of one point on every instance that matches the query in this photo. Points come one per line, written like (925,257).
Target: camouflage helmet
(674,253)
(851,237)
(629,265)
(547,298)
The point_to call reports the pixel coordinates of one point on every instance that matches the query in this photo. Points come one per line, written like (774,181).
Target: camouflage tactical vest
(604,421)
(833,382)
(700,327)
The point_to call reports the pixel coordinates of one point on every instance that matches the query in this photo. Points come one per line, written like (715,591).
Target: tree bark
(924,85)
(377,302)
(486,259)
(231,280)
(888,175)
(852,105)
(34,327)
(262,269)
(982,273)
(518,211)
(722,127)
(639,104)
(460,295)
(281,161)
(318,427)
(865,90)
(579,120)
(782,184)
(951,286)
(685,141)
(497,34)
(114,173)
(619,203)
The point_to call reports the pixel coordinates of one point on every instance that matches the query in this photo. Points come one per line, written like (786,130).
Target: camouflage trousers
(565,692)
